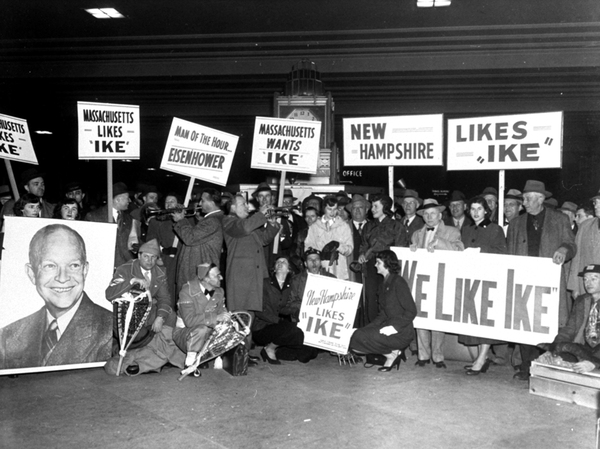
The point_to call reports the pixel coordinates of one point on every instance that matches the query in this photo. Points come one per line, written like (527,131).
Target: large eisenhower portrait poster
(52,282)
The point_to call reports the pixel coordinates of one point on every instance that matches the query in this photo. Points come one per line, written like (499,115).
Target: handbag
(235,361)
(374,359)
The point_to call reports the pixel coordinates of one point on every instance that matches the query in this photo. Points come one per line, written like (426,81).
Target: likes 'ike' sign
(409,140)
(108,131)
(286,145)
(506,142)
(15,141)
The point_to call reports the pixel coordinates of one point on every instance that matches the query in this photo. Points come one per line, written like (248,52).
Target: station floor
(317,405)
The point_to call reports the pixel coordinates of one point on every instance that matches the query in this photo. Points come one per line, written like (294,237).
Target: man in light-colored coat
(435,235)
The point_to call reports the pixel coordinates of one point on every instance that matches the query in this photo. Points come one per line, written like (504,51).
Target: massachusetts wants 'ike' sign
(108,131)
(409,140)
(506,142)
(199,152)
(15,141)
(286,145)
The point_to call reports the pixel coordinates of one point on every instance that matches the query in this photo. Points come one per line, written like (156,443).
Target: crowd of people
(264,254)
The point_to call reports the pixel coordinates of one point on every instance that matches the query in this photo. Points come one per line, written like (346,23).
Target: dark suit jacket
(556,234)
(449,221)
(414,225)
(87,339)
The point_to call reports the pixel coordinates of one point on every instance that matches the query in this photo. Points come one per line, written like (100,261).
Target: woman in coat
(489,237)
(392,331)
(279,335)
(332,228)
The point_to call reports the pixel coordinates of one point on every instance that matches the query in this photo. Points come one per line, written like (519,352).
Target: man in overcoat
(201,243)
(246,237)
(435,235)
(541,232)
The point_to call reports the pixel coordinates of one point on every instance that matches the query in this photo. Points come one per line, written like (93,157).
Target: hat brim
(441,207)
(348,206)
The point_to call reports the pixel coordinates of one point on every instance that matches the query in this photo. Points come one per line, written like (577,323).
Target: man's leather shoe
(422,362)
(440,365)
(521,375)
(132,370)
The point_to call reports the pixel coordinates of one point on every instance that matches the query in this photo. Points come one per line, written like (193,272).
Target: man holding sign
(541,232)
(434,235)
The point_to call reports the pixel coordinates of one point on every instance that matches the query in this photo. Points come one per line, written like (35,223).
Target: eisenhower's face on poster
(55,316)
(58,268)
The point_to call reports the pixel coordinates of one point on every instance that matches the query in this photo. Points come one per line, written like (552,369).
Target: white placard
(328,311)
(25,290)
(15,140)
(506,142)
(508,298)
(108,131)
(408,140)
(286,145)
(199,152)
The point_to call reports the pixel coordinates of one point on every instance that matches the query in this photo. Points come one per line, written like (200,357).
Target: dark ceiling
(219,62)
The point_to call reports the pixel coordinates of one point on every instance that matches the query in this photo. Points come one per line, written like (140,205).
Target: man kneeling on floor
(153,347)
(578,341)
(201,306)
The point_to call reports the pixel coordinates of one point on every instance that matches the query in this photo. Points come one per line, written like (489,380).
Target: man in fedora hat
(570,209)
(490,195)
(153,346)
(584,212)
(457,203)
(587,240)
(127,237)
(435,235)
(541,232)
(513,205)
(410,202)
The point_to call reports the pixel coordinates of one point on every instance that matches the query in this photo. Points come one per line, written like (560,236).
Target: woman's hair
(61,203)
(313,209)
(480,200)
(28,198)
(385,201)
(389,259)
(328,201)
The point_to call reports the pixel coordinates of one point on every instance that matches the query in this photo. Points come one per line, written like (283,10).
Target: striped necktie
(50,339)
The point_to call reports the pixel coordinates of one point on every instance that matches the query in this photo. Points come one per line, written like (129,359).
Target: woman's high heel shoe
(484,368)
(396,363)
(266,358)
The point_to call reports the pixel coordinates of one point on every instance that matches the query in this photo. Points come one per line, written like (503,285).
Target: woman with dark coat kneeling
(274,327)
(392,331)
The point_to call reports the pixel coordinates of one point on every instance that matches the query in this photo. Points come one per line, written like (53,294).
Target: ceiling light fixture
(105,13)
(39,131)
(433,3)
